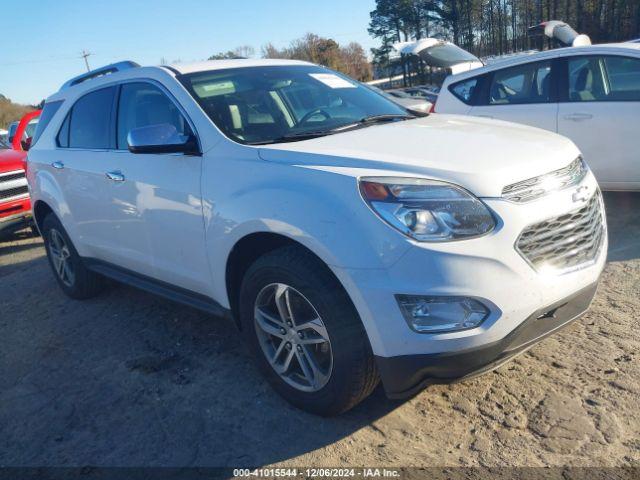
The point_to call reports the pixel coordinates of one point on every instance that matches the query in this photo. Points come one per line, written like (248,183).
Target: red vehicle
(15,205)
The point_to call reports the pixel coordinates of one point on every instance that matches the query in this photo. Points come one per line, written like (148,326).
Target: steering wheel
(312,114)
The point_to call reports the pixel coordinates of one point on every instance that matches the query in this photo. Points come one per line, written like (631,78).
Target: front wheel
(305,333)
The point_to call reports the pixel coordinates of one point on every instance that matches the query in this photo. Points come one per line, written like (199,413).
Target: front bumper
(404,376)
(488,269)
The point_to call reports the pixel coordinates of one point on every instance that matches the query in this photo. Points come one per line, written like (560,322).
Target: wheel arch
(247,250)
(40,211)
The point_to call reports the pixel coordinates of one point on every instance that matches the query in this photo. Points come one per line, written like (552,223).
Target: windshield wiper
(294,137)
(371,119)
(386,117)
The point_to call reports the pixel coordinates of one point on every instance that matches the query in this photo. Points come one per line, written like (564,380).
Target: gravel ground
(128,379)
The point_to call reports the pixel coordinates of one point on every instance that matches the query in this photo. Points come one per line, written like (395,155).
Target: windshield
(3,145)
(256,105)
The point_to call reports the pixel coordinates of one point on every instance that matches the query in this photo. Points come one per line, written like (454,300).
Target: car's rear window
(465,90)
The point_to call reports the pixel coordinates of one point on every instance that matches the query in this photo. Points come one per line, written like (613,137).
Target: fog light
(427,314)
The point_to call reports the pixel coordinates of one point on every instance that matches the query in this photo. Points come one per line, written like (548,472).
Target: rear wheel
(305,334)
(73,277)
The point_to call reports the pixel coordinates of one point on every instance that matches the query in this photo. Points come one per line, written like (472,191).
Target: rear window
(527,83)
(464,90)
(90,121)
(48,111)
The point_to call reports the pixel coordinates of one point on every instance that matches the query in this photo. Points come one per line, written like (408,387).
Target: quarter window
(91,120)
(47,114)
(63,134)
(142,105)
(528,83)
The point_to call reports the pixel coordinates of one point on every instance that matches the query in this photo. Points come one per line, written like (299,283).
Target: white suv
(349,240)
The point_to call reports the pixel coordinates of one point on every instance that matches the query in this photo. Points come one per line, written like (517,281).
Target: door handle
(485,116)
(577,117)
(58,165)
(116,176)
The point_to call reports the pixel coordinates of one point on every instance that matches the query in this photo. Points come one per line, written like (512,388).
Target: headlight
(427,210)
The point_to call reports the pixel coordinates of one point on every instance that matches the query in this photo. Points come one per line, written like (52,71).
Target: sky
(41,48)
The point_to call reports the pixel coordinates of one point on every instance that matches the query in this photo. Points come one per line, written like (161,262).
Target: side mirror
(161,138)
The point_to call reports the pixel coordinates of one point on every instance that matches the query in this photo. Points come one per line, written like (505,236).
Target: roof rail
(100,72)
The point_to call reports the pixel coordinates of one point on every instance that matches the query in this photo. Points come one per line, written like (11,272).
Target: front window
(257,105)
(604,79)
(143,105)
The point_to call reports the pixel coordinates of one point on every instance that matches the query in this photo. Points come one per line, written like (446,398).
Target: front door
(156,197)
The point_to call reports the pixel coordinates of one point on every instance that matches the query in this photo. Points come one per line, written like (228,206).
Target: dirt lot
(128,379)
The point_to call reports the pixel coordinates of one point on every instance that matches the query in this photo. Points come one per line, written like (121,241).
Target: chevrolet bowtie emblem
(581,194)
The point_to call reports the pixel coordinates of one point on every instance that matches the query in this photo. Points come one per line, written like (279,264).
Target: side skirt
(157,287)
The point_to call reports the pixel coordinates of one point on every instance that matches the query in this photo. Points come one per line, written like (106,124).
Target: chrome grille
(567,242)
(536,187)
(13,185)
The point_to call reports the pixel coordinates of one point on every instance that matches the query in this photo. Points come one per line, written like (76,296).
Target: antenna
(85,55)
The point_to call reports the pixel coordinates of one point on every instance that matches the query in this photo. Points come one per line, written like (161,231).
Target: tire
(350,375)
(75,280)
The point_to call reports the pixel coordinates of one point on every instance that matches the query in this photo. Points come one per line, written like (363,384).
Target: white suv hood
(479,154)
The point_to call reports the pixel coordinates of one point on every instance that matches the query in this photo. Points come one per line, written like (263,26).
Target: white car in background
(590,94)
(418,106)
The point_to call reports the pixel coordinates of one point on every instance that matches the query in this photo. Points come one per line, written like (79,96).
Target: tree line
(10,111)
(497,27)
(350,59)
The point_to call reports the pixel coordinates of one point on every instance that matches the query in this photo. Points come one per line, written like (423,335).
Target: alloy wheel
(61,258)
(293,337)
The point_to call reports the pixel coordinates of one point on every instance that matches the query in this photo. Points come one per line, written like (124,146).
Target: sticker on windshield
(331,80)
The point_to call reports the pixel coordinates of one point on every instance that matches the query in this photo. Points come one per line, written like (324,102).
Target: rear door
(600,112)
(523,93)
(79,166)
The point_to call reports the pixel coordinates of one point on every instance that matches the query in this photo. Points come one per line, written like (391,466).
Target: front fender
(320,210)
